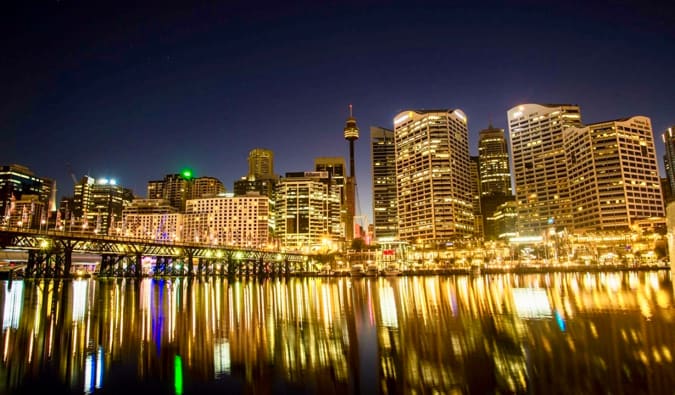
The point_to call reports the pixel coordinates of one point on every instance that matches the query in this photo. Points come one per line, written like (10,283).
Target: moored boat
(391,270)
(372,269)
(356,270)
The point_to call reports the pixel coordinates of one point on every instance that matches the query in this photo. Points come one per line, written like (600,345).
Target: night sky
(113,89)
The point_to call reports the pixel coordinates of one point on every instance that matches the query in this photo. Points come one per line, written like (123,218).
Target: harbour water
(571,333)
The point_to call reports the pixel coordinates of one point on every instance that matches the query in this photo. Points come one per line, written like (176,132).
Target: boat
(372,269)
(391,270)
(356,270)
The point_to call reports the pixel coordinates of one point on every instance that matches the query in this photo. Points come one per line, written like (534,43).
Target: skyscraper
(98,205)
(176,188)
(493,157)
(668,138)
(433,177)
(260,177)
(539,164)
(261,164)
(613,172)
(306,208)
(351,133)
(383,161)
(333,168)
(495,178)
(474,167)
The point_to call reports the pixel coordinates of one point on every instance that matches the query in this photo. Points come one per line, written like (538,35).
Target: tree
(358,244)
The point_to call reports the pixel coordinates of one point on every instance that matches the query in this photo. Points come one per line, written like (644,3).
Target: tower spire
(351,134)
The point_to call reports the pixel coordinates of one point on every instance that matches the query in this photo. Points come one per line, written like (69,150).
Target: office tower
(351,133)
(668,138)
(475,197)
(495,177)
(613,173)
(152,219)
(307,211)
(331,170)
(242,221)
(260,177)
(98,205)
(493,155)
(261,164)
(383,162)
(539,165)
(17,181)
(176,188)
(203,187)
(433,178)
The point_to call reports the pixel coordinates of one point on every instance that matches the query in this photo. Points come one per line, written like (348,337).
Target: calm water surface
(541,334)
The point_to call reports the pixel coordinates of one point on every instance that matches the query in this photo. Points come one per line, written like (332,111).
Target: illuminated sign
(460,115)
(401,118)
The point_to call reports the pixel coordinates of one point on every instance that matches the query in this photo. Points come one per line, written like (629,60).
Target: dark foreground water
(541,334)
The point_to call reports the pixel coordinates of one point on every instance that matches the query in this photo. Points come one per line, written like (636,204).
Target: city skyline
(138,93)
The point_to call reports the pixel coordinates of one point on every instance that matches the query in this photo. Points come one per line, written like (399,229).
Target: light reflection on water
(543,333)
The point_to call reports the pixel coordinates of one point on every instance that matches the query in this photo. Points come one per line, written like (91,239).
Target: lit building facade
(203,187)
(539,165)
(668,138)
(383,162)
(493,157)
(242,221)
(433,177)
(98,205)
(152,219)
(475,197)
(495,178)
(613,173)
(307,209)
(17,181)
(260,177)
(176,188)
(261,164)
(331,171)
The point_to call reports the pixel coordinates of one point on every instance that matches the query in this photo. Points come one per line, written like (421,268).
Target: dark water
(541,334)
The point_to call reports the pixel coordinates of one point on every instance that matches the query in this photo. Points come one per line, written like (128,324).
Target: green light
(178,375)
(186,173)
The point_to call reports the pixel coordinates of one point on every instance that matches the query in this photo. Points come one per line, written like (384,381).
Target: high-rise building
(433,176)
(203,187)
(17,181)
(668,138)
(495,178)
(493,156)
(351,133)
(307,211)
(383,162)
(260,177)
(475,197)
(261,164)
(176,188)
(613,173)
(331,170)
(539,165)
(98,205)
